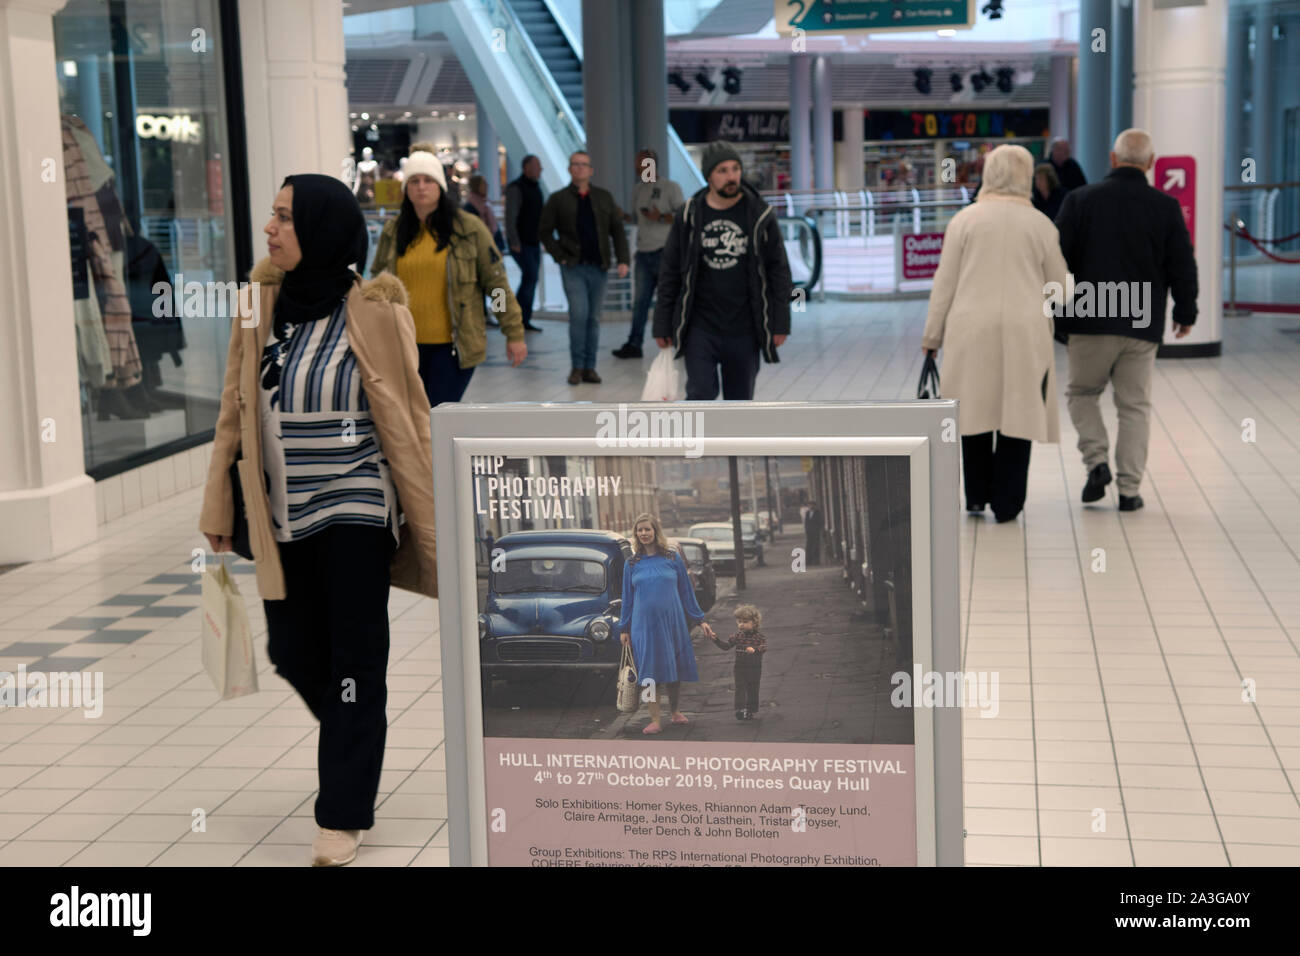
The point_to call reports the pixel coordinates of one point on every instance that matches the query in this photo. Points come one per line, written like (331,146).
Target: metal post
(733,472)
(1232,309)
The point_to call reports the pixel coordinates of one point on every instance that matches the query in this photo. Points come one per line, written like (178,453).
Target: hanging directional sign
(1176,175)
(872,16)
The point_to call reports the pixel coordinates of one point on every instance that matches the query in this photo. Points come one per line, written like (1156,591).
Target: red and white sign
(1176,175)
(920,254)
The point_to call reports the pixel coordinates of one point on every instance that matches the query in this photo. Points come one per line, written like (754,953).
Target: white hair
(1134,146)
(1008,171)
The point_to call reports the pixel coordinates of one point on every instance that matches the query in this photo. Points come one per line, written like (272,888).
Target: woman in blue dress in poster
(658,601)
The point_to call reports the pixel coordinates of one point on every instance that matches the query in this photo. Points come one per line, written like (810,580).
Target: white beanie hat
(427,164)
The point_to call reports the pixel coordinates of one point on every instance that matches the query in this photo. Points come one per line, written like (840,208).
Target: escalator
(554,48)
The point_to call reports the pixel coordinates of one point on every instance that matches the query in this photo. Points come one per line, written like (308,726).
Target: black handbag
(928,386)
(239,533)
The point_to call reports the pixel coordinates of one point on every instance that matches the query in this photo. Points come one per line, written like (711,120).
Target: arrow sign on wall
(1176,175)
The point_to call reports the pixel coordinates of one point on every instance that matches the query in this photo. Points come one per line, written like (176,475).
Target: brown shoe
(575,376)
(589,375)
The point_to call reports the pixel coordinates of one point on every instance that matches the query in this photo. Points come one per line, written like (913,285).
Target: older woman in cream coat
(987,310)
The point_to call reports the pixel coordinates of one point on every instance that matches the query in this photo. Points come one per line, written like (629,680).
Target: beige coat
(381,334)
(986,312)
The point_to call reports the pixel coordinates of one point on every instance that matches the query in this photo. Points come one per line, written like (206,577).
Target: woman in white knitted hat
(448,262)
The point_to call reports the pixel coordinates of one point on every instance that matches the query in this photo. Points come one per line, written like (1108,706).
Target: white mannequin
(400,175)
(367,170)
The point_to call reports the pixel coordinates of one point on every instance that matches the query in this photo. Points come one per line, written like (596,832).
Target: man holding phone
(656,200)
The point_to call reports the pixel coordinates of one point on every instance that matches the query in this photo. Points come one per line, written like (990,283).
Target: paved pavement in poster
(826,674)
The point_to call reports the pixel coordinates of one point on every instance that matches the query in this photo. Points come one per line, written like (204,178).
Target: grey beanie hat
(715,153)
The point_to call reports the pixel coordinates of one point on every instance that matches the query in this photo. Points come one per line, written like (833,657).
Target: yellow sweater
(424,273)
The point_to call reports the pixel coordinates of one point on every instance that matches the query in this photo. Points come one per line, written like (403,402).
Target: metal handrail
(1247,186)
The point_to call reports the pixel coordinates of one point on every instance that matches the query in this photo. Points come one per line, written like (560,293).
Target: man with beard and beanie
(724,283)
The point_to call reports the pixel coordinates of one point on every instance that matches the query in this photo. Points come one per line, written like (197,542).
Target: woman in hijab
(987,307)
(325,425)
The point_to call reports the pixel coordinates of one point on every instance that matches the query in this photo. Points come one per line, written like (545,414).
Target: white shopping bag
(663,383)
(227,639)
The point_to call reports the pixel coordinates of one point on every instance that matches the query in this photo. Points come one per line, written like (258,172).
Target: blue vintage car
(554,603)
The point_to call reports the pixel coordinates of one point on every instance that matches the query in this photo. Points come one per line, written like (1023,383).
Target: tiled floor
(1149,663)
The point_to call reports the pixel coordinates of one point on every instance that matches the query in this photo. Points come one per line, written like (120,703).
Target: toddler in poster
(750,646)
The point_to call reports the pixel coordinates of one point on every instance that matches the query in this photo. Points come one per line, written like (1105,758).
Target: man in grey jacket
(587,220)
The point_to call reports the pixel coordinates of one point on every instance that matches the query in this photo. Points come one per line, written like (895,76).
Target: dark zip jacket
(766,267)
(1123,230)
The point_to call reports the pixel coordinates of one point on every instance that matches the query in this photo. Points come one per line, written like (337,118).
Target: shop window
(145,156)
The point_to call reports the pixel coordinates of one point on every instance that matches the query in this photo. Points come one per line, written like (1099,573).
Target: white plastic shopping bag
(663,383)
(227,639)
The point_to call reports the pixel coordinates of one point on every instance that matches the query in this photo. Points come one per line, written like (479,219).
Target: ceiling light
(460,116)
(947,33)
(365,116)
(69,67)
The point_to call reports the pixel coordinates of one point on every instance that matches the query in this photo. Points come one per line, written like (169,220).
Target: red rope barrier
(1271,242)
(1245,234)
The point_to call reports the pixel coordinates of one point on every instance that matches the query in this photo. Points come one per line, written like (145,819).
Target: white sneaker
(335,847)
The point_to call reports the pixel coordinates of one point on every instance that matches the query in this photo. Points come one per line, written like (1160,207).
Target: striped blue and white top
(320,449)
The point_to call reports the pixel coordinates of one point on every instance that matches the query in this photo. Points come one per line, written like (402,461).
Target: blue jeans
(529,259)
(647,277)
(584,287)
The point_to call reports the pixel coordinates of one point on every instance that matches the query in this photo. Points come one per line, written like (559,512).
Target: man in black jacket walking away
(523,215)
(724,283)
(1127,245)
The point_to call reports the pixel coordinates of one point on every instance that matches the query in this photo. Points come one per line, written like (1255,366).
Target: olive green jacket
(474,270)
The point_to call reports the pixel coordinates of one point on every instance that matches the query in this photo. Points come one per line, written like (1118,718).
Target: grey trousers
(1125,362)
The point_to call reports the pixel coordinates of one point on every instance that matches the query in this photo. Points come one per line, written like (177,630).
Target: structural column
(800,128)
(1180,58)
(1092,139)
(489,163)
(1234,96)
(823,124)
(47,502)
(607,93)
(295,100)
(849,169)
(650,84)
(1261,96)
(1059,97)
(1121,67)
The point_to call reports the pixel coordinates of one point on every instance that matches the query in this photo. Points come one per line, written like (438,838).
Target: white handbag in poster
(227,638)
(663,382)
(629,695)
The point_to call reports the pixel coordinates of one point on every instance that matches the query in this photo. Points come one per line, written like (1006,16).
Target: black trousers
(747,677)
(998,475)
(329,639)
(738,357)
(444,380)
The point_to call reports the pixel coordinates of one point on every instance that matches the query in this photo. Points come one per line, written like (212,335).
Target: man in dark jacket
(1127,245)
(724,283)
(523,215)
(587,220)
(1068,172)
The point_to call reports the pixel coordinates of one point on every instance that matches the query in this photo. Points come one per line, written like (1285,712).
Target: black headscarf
(331,232)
